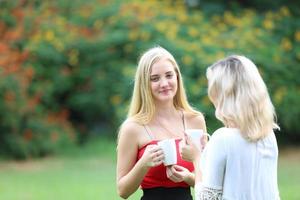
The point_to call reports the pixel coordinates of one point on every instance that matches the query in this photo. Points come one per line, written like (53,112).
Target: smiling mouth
(165,91)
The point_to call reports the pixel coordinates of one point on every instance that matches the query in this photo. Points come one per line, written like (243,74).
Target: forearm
(129,183)
(198,172)
(190,179)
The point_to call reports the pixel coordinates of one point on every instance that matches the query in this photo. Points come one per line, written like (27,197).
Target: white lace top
(235,169)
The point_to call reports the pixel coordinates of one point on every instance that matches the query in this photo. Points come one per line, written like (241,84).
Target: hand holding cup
(153,156)
(195,141)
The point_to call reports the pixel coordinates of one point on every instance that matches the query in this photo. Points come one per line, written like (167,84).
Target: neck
(165,110)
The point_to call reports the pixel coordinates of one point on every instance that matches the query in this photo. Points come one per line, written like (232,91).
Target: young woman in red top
(158,110)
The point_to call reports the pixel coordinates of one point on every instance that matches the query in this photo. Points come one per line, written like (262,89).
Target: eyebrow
(168,72)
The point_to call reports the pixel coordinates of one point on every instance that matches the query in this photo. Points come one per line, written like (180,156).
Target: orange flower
(28,135)
(9,96)
(54,136)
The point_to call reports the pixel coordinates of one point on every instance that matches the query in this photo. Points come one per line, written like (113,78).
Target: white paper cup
(196,135)
(169,148)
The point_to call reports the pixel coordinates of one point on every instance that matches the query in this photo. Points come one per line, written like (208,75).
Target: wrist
(196,162)
(189,178)
(145,166)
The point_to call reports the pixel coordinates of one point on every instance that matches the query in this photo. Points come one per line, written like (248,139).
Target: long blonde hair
(241,97)
(142,107)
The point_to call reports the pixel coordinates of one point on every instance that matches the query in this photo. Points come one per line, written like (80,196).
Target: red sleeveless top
(157,176)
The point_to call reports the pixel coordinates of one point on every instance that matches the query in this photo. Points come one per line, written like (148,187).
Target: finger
(158,158)
(204,140)
(173,178)
(168,172)
(188,140)
(179,168)
(185,138)
(175,173)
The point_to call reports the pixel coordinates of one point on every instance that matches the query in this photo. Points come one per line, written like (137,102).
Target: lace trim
(207,193)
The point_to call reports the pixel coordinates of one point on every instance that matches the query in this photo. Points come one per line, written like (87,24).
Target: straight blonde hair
(142,107)
(241,97)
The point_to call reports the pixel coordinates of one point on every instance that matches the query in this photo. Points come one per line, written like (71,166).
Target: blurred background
(66,78)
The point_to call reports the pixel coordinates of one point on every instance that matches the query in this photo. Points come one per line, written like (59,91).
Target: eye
(154,78)
(169,76)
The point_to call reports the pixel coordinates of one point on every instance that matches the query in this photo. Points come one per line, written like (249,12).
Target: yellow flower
(268,24)
(221,54)
(297,35)
(133,35)
(222,27)
(207,40)
(229,44)
(285,11)
(98,24)
(249,13)
(73,57)
(128,71)
(286,44)
(187,60)
(60,21)
(276,58)
(279,94)
(115,100)
(205,101)
(171,35)
(193,47)
(49,36)
(195,89)
(298,55)
(269,15)
(192,31)
(182,17)
(161,26)
(145,35)
(229,18)
(36,37)
(197,17)
(216,19)
(128,48)
(85,12)
(59,46)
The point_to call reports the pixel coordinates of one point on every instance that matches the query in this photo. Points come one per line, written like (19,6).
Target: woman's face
(163,81)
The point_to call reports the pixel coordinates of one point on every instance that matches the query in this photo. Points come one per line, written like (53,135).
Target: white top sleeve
(205,193)
(213,163)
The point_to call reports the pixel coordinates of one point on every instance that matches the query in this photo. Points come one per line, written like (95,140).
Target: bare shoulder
(130,128)
(195,120)
(131,134)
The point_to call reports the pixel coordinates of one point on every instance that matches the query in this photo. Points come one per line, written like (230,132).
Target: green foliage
(69,65)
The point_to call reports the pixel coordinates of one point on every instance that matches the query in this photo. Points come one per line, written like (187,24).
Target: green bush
(74,62)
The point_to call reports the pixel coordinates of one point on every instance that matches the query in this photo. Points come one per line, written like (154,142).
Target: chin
(166,98)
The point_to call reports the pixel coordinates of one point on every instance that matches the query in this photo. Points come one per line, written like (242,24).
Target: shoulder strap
(148,132)
(183,120)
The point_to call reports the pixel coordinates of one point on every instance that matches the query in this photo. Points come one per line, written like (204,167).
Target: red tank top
(157,176)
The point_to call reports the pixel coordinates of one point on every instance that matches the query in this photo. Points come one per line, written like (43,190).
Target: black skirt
(161,193)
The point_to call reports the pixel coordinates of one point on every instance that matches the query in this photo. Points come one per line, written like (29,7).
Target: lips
(164,91)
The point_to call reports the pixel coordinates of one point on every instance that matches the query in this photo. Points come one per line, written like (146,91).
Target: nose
(163,82)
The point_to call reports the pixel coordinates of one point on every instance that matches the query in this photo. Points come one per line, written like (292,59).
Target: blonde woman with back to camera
(159,110)
(240,160)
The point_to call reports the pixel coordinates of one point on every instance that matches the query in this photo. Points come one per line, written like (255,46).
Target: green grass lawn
(89,173)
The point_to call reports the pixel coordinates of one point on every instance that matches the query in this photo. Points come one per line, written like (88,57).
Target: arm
(177,173)
(209,174)
(129,172)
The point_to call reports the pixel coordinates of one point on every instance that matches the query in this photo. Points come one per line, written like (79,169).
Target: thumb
(187,139)
(178,167)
